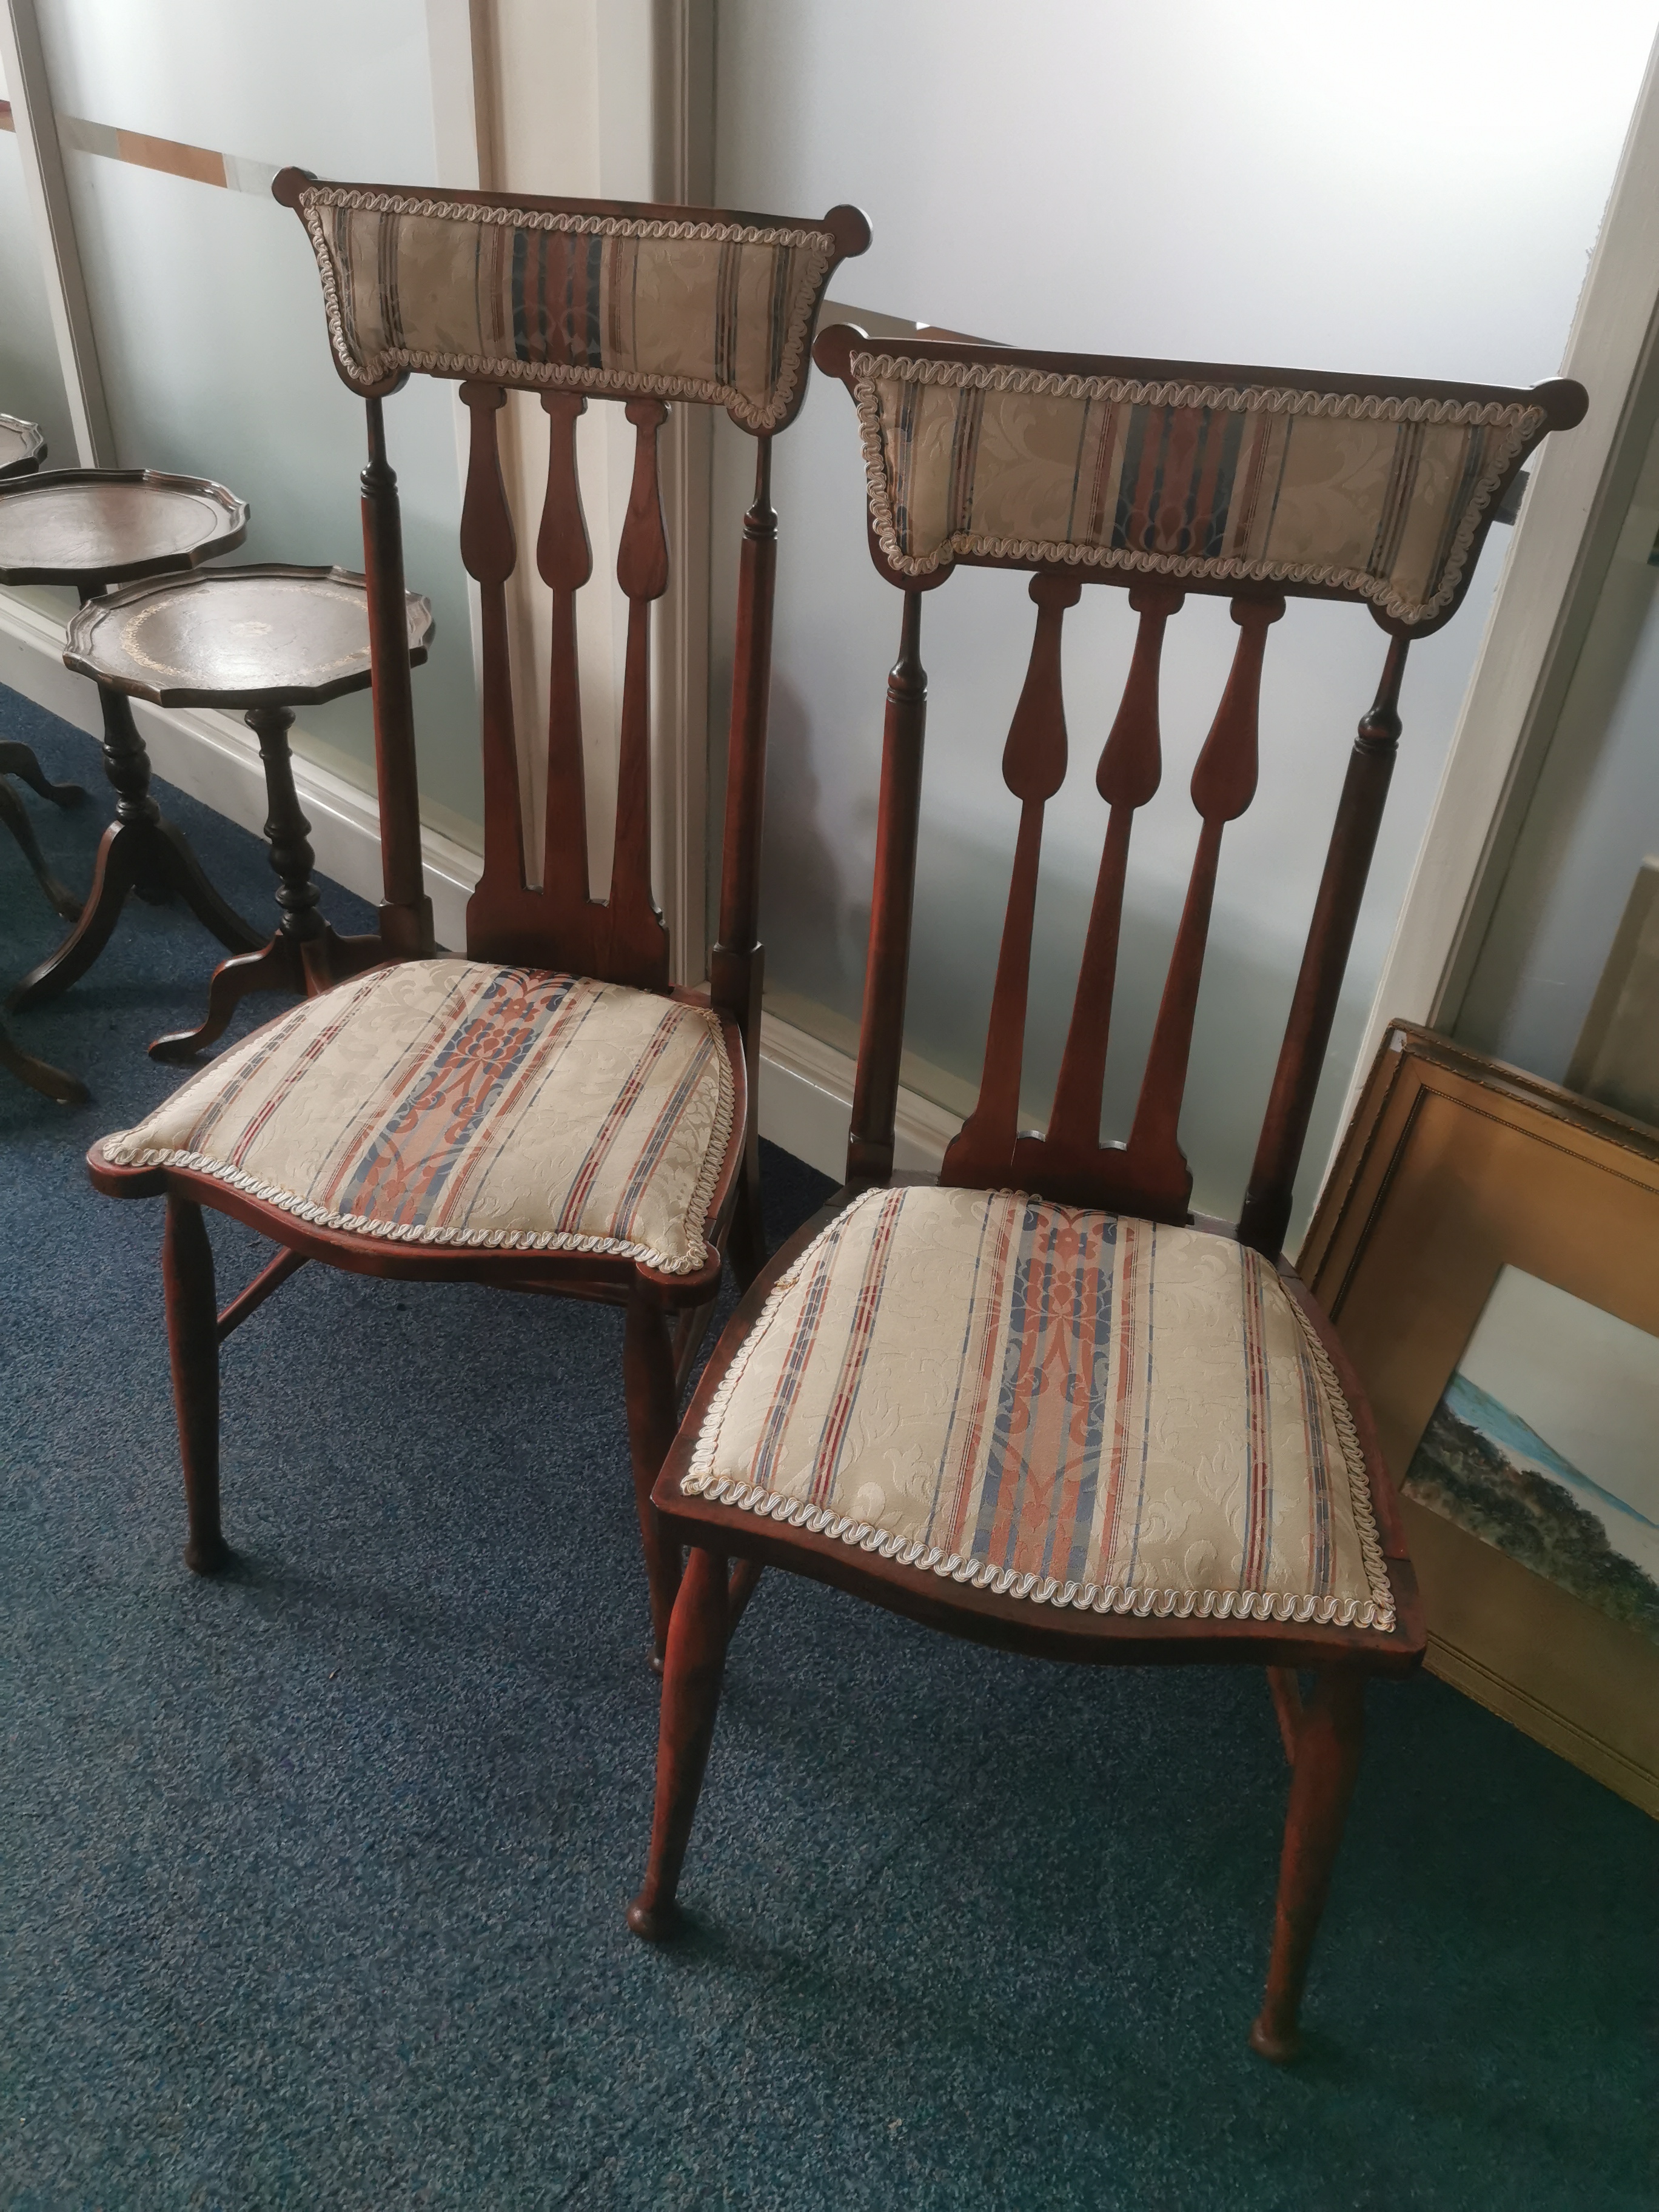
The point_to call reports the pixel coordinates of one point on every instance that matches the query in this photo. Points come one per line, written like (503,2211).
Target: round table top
(23,446)
(93,527)
(265,636)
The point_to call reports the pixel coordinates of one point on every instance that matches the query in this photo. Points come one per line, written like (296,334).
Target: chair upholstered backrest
(646,305)
(1163,477)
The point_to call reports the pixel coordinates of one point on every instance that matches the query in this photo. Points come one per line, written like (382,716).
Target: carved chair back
(1163,478)
(641,304)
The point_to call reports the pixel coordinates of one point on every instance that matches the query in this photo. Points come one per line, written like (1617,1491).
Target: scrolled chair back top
(615,299)
(1378,490)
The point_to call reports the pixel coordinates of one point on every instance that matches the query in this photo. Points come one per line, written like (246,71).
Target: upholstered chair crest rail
(617,301)
(1220,476)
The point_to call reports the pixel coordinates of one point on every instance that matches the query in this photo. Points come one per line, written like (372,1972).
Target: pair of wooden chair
(1035,1404)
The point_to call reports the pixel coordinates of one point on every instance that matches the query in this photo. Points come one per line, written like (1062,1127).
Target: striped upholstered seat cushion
(450,1101)
(1073,1408)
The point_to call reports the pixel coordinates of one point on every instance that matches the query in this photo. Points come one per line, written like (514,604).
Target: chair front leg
(1329,1730)
(653,1416)
(193,1341)
(697,1637)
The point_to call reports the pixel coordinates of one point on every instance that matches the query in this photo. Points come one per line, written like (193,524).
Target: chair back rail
(639,303)
(1163,478)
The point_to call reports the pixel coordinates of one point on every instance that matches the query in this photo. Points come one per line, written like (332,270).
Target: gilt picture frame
(1488,1247)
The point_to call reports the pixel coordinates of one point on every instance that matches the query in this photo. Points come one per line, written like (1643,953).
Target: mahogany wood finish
(22,446)
(265,638)
(405,911)
(17,759)
(1146,1176)
(1324,1762)
(193,1338)
(93,528)
(555,924)
(22,449)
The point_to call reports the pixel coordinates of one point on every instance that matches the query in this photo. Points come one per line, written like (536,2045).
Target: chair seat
(1077,1408)
(452,1101)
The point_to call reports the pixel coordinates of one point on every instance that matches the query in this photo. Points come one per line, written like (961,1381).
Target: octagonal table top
(94,526)
(266,634)
(23,446)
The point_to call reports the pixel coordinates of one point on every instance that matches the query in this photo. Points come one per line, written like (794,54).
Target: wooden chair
(546,1115)
(1039,1405)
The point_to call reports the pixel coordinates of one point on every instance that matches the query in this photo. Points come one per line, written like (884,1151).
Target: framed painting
(1488,1246)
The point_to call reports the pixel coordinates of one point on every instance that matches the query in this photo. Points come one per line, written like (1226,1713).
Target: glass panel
(1592,821)
(207,312)
(31,381)
(1310,192)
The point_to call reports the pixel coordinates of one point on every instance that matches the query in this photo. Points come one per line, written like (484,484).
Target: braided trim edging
(120,1155)
(1143,1601)
(1522,422)
(819,246)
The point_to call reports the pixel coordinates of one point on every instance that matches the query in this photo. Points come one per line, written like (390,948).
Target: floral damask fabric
(714,311)
(1074,1408)
(1379,497)
(451,1102)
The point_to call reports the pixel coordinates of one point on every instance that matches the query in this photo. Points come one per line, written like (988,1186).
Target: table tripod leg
(15,817)
(50,1082)
(112,880)
(19,760)
(278,966)
(183,871)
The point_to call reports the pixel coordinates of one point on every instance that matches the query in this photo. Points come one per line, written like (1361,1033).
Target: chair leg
(653,1417)
(1329,1732)
(745,1245)
(690,1698)
(1287,1707)
(744,1576)
(193,1339)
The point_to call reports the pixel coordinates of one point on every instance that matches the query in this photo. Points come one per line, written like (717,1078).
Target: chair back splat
(1163,479)
(643,304)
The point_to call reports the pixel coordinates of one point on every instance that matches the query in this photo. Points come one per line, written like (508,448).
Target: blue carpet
(311,1879)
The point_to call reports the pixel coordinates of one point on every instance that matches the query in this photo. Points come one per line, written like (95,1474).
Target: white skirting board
(805,1085)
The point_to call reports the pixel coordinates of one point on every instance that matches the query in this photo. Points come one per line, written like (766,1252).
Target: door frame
(1558,560)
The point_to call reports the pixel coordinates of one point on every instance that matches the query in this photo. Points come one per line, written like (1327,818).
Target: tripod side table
(93,528)
(266,639)
(22,446)
(22,449)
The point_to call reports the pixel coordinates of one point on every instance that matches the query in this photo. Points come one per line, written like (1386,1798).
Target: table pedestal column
(306,955)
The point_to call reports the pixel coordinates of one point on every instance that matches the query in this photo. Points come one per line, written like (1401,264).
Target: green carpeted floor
(311,1879)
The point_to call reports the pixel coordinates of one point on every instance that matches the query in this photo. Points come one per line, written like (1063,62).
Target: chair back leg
(193,1341)
(1329,1730)
(697,1638)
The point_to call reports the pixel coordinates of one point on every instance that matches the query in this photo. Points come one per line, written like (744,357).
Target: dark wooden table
(22,446)
(93,528)
(265,639)
(22,449)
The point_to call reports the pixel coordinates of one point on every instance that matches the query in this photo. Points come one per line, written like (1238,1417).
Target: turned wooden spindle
(736,961)
(1033,768)
(564,560)
(1157,1181)
(887,963)
(1069,1162)
(638,938)
(1268,1199)
(489,553)
(405,917)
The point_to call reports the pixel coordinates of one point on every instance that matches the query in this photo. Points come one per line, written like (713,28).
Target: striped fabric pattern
(619,304)
(451,1102)
(1076,1409)
(1381,498)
